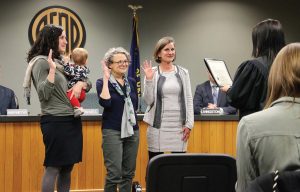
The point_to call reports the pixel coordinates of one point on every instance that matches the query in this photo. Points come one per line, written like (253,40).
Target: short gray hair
(113,51)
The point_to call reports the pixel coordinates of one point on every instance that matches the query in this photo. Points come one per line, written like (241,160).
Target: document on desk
(219,71)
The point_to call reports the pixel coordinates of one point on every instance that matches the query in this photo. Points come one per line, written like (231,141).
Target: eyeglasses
(122,62)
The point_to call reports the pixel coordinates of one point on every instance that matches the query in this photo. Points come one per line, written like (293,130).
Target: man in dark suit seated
(7,100)
(208,95)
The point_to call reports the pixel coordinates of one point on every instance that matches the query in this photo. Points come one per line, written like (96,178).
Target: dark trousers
(119,159)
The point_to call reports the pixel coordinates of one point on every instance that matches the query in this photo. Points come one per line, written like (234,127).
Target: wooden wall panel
(26,154)
(17,157)
(97,158)
(205,135)
(37,157)
(22,150)
(142,159)
(3,157)
(9,161)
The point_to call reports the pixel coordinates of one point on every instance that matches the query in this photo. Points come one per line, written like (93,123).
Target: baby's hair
(79,56)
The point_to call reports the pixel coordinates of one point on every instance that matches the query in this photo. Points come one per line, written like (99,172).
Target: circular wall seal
(59,15)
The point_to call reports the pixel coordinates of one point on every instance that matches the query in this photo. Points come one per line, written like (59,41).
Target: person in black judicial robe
(249,89)
(203,98)
(7,100)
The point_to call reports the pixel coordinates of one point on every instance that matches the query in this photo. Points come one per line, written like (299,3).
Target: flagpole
(134,70)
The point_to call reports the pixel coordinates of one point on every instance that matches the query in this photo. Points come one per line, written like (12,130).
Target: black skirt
(62,136)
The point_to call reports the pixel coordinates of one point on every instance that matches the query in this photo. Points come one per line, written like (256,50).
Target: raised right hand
(105,69)
(148,71)
(51,63)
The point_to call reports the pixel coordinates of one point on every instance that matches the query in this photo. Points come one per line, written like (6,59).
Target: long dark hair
(267,38)
(48,38)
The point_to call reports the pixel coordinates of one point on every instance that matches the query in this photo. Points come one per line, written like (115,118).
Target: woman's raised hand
(51,63)
(105,69)
(147,68)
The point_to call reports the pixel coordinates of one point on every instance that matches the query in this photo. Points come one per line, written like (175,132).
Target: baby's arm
(81,73)
(70,69)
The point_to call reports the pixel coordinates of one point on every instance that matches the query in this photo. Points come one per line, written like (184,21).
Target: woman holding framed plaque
(249,88)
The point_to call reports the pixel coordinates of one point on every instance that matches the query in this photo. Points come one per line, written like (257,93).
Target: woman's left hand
(186,134)
(76,89)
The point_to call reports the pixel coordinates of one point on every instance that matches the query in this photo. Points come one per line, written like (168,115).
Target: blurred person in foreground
(269,140)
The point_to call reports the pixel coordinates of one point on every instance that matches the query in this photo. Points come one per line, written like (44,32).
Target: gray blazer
(150,91)
(268,140)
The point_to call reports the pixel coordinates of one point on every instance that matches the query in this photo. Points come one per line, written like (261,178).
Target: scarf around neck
(128,117)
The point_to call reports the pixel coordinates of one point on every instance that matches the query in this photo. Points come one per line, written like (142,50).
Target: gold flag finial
(134,8)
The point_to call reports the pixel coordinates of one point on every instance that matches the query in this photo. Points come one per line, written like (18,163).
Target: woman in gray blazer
(167,93)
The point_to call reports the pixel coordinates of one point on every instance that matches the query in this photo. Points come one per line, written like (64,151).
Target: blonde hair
(284,77)
(79,56)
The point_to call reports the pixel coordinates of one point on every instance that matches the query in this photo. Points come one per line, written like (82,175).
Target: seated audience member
(208,95)
(269,140)
(8,100)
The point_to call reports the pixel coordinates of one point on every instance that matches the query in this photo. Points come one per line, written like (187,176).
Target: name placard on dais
(17,112)
(207,111)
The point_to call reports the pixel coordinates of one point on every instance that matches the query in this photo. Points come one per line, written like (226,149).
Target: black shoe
(136,187)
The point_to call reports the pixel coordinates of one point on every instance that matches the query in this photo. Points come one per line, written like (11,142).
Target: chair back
(184,172)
